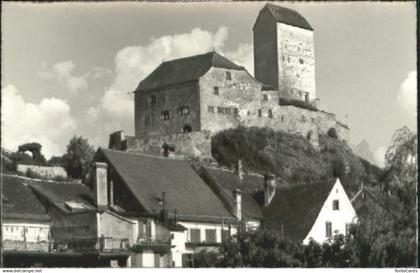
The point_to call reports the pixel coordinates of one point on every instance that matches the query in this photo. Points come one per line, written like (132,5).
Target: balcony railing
(157,242)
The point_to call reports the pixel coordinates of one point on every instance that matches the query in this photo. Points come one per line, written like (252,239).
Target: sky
(69,68)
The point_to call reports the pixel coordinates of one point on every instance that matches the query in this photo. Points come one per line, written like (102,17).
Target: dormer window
(259,113)
(336,205)
(228,76)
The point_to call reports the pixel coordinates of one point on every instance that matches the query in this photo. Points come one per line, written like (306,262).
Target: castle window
(147,119)
(283,58)
(164,115)
(300,60)
(259,113)
(235,111)
(288,59)
(328,229)
(228,75)
(152,99)
(336,205)
(282,118)
(163,98)
(248,113)
(219,109)
(184,110)
(187,128)
(265,97)
(216,90)
(270,113)
(211,109)
(227,111)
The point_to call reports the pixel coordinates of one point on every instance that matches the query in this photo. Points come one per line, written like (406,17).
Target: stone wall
(44,171)
(296,61)
(218,110)
(187,145)
(149,119)
(265,49)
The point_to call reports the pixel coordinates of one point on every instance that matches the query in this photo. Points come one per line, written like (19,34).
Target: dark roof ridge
(191,56)
(143,155)
(233,171)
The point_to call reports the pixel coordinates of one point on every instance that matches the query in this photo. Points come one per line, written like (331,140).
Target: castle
(183,102)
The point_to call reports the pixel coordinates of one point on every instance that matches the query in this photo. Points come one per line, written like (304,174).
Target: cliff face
(291,157)
(363,150)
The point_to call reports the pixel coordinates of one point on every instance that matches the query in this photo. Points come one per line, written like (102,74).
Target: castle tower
(284,52)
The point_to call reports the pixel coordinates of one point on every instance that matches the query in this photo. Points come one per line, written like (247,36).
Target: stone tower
(284,52)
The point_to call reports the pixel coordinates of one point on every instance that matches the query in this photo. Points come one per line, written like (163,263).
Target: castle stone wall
(240,93)
(170,99)
(296,61)
(265,49)
(187,145)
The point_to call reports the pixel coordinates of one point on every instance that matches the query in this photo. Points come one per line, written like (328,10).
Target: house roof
(294,209)
(287,16)
(369,198)
(226,181)
(185,70)
(69,197)
(148,176)
(19,202)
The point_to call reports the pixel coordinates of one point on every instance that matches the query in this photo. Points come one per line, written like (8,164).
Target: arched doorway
(187,128)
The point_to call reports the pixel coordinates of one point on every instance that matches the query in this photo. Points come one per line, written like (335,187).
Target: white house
(177,212)
(25,223)
(312,210)
(335,217)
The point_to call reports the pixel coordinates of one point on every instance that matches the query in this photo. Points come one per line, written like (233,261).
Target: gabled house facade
(25,224)
(178,214)
(311,211)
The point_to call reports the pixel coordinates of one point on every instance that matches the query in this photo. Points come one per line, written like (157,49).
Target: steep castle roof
(185,70)
(287,16)
(148,176)
(19,202)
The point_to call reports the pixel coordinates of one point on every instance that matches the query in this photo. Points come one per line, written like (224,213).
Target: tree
(35,149)
(78,157)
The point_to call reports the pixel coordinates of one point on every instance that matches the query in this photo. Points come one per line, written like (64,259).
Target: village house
(316,211)
(178,213)
(25,224)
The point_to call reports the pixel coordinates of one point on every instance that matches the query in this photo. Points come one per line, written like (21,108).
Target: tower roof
(185,69)
(287,16)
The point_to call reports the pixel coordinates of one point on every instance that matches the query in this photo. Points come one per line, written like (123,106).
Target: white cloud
(407,97)
(63,73)
(380,156)
(48,122)
(243,55)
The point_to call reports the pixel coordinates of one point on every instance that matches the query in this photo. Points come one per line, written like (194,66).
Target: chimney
(269,188)
(100,184)
(117,141)
(164,212)
(237,203)
(239,169)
